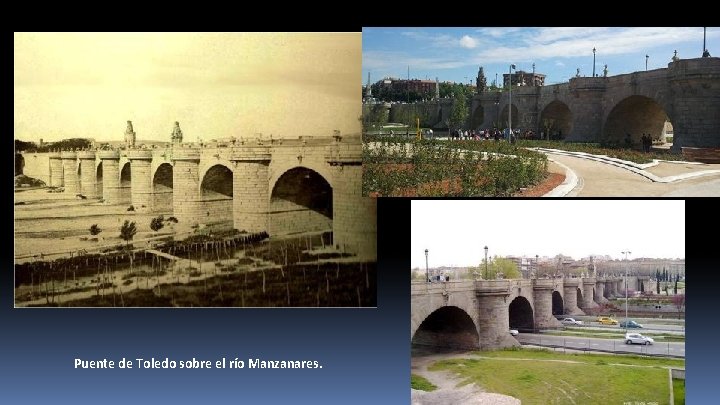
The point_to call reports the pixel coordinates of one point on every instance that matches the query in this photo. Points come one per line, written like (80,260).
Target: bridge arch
(521,315)
(477,117)
(79,178)
(216,191)
(557,303)
(124,193)
(556,118)
(504,116)
(99,180)
(162,187)
(635,115)
(449,327)
(301,200)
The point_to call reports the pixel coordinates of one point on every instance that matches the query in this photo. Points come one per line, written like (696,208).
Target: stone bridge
(478,314)
(595,109)
(599,109)
(281,186)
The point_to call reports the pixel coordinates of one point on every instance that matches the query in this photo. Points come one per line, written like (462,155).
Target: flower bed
(401,167)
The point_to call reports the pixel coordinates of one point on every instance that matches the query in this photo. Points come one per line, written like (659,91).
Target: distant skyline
(456,231)
(217,85)
(455,54)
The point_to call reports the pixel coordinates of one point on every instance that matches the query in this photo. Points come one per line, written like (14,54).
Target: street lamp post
(486,263)
(594,62)
(704,48)
(497,115)
(646,60)
(627,252)
(427,272)
(510,102)
(536,266)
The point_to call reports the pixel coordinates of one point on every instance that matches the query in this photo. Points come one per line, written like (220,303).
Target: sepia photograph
(190,170)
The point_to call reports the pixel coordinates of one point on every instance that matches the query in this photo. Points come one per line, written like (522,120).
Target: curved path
(596,178)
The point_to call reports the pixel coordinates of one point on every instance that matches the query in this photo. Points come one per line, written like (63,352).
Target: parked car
(606,320)
(630,324)
(514,332)
(571,321)
(631,338)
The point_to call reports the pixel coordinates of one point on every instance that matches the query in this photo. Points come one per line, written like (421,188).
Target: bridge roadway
(676,349)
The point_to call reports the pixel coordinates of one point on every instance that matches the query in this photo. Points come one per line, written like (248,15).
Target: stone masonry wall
(250,192)
(37,165)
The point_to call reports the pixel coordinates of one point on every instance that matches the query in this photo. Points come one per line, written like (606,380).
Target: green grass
(594,380)
(679,391)
(616,335)
(543,354)
(421,383)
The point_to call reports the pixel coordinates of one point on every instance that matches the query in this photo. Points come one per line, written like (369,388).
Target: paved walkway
(599,178)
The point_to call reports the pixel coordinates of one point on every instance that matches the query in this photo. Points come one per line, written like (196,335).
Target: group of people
(487,134)
(646,142)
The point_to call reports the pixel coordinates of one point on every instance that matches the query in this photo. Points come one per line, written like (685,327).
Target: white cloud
(559,63)
(468,42)
(547,43)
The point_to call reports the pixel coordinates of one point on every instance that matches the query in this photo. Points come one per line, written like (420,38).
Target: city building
(523,78)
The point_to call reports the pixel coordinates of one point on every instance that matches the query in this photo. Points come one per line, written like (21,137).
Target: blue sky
(454,54)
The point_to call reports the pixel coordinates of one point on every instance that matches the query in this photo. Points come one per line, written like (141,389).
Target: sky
(216,85)
(455,54)
(456,231)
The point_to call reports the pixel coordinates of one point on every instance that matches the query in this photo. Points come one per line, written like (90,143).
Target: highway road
(605,345)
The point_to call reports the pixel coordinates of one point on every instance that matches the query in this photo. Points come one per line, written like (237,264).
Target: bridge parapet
(543,284)
(422,288)
(139,154)
(86,154)
(492,287)
(108,154)
(250,154)
(588,84)
(571,282)
(68,155)
(186,154)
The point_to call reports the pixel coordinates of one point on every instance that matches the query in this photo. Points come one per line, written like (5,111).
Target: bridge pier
(493,318)
(588,294)
(140,190)
(353,228)
(570,303)
(70,177)
(87,173)
(542,297)
(609,293)
(111,175)
(250,189)
(186,186)
(56,170)
(600,292)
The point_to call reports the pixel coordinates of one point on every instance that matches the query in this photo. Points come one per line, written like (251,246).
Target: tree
(500,265)
(95,229)
(459,112)
(127,231)
(156,223)
(481,82)
(657,282)
(679,302)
